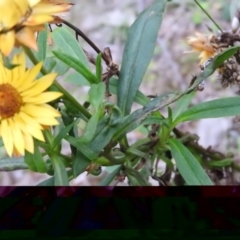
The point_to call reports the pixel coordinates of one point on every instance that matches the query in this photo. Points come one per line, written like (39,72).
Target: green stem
(66,94)
(196,1)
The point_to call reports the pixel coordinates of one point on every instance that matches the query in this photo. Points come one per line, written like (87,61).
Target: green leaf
(97,95)
(223,107)
(42,45)
(110,177)
(49,64)
(138,153)
(65,41)
(188,166)
(35,161)
(135,178)
(80,162)
(52,64)
(76,65)
(169,118)
(78,79)
(83,148)
(7,63)
(60,67)
(138,52)
(99,67)
(225,55)
(50,181)
(105,130)
(182,104)
(63,132)
(102,161)
(12,164)
(60,173)
(221,163)
(139,98)
(90,129)
(136,118)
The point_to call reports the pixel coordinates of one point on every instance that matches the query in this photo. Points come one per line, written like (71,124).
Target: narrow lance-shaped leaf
(35,161)
(225,55)
(223,107)
(12,164)
(99,67)
(77,78)
(110,177)
(65,41)
(137,117)
(97,95)
(63,132)
(60,173)
(76,65)
(182,104)
(138,52)
(42,45)
(188,166)
(89,130)
(139,98)
(80,162)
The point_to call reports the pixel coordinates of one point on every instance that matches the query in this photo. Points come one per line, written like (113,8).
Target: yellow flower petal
(42,98)
(40,110)
(26,82)
(33,2)
(18,59)
(31,128)
(28,142)
(38,19)
(11,12)
(48,8)
(7,136)
(48,121)
(27,37)
(7,41)
(40,85)
(35,132)
(24,119)
(18,140)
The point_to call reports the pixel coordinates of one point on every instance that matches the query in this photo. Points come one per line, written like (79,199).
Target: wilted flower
(202,44)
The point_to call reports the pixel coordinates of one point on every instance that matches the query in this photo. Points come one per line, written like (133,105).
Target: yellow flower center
(10,101)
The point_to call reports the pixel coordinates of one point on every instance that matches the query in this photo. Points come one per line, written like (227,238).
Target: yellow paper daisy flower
(202,44)
(21,19)
(23,106)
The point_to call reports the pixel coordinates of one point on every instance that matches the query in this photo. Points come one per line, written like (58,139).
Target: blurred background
(106,23)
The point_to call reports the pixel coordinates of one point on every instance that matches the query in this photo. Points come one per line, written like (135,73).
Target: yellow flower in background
(23,106)
(21,19)
(202,44)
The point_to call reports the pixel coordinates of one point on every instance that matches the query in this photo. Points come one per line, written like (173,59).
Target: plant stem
(196,1)
(66,94)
